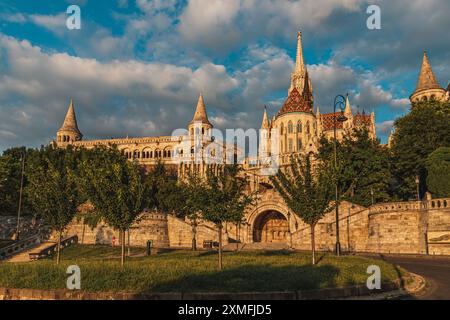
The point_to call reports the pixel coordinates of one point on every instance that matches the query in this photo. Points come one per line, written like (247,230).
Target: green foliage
(10,175)
(223,196)
(425,129)
(162,190)
(438,168)
(308,196)
(114,186)
(52,185)
(363,167)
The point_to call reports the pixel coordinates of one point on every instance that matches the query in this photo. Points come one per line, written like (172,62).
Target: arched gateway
(271,226)
(269,221)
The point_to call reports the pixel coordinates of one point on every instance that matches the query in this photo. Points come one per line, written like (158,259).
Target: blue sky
(136,67)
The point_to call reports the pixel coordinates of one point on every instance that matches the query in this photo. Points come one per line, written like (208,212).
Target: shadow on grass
(253,278)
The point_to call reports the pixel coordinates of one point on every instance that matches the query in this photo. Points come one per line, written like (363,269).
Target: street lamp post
(19,210)
(371,193)
(339,101)
(417,187)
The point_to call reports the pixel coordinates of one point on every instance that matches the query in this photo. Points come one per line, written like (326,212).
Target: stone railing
(410,205)
(19,246)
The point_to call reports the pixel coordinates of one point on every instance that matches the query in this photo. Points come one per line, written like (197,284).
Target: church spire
(348,109)
(427,80)
(265,122)
(298,76)
(200,112)
(299,62)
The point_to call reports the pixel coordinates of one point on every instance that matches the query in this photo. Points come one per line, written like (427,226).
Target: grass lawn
(193,271)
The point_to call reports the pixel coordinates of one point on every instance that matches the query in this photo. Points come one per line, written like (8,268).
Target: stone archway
(271,226)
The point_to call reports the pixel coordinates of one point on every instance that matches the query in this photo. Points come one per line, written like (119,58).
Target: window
(299,144)
(299,126)
(282,129)
(290,128)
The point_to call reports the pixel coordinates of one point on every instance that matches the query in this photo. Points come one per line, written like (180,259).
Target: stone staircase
(24,256)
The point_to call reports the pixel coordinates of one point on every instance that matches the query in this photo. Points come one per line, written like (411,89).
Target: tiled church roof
(295,103)
(362,120)
(328,121)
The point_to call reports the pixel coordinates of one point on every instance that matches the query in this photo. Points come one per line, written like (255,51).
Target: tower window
(299,126)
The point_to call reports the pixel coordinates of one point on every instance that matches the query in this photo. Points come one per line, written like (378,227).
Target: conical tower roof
(427,80)
(265,122)
(70,121)
(200,112)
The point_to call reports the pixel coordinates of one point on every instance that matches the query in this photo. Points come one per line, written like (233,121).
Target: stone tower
(427,86)
(69,131)
(200,123)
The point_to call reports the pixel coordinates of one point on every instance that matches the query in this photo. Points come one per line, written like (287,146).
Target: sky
(136,67)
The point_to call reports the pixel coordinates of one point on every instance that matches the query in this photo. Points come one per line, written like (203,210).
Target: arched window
(151,154)
(164,154)
(299,144)
(299,126)
(290,127)
(203,130)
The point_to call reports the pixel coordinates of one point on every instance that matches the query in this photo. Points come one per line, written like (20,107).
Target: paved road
(436,271)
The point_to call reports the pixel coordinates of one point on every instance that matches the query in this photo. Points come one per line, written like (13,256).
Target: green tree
(363,167)
(193,203)
(52,188)
(116,188)
(417,134)
(162,190)
(10,179)
(223,198)
(438,168)
(308,196)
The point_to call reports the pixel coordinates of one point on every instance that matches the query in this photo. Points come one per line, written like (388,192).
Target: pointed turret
(427,79)
(200,112)
(348,108)
(265,122)
(427,86)
(69,131)
(200,122)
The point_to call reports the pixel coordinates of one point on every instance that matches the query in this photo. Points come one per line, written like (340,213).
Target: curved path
(436,271)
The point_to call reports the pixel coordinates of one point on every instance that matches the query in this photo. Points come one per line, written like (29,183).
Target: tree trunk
(194,235)
(122,256)
(82,234)
(313,244)
(58,247)
(237,237)
(220,247)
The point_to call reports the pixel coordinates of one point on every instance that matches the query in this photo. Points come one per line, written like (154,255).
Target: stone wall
(164,231)
(401,227)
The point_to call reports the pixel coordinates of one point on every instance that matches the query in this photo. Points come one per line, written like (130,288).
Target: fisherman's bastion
(401,227)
